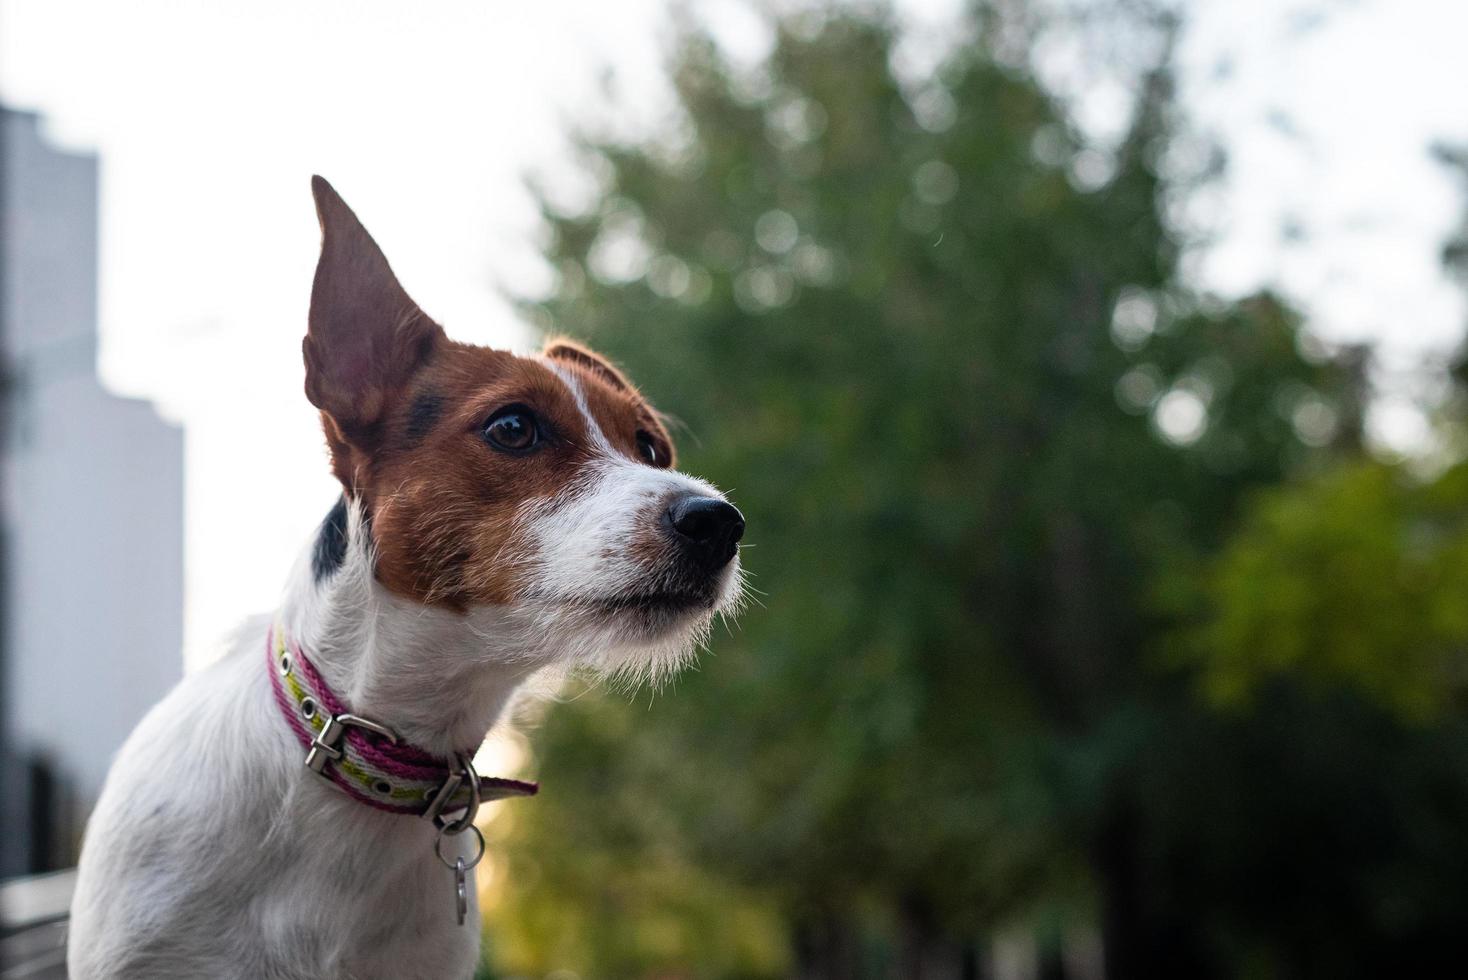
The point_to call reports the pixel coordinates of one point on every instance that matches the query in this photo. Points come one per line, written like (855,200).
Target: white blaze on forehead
(594,431)
(584,542)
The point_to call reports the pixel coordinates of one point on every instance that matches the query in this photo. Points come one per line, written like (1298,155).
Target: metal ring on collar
(453,865)
(466,819)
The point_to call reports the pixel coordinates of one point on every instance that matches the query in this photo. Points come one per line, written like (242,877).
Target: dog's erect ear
(560,349)
(365,336)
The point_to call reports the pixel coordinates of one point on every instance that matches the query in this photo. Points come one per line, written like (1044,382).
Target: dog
(304,808)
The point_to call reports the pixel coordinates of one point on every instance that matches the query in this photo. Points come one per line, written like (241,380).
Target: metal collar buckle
(466,776)
(326,747)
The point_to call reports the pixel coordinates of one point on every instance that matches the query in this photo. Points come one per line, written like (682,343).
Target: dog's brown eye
(647,448)
(512,429)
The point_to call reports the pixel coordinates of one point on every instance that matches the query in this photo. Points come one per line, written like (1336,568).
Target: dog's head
(542,486)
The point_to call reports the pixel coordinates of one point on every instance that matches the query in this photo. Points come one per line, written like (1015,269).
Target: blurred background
(1089,372)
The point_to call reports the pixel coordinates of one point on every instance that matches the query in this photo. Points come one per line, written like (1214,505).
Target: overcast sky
(209,118)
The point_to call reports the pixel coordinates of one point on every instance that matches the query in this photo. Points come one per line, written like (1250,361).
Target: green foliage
(641,907)
(985,441)
(1356,579)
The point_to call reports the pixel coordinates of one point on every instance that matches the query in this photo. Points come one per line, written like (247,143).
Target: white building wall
(92,492)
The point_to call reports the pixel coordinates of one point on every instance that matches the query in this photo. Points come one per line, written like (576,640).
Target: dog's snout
(707,529)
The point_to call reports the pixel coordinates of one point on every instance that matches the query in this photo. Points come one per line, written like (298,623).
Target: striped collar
(367,760)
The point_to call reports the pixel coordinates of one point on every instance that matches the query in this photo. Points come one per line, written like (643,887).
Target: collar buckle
(326,746)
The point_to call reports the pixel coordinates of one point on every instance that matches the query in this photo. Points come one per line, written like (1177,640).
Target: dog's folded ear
(562,349)
(365,336)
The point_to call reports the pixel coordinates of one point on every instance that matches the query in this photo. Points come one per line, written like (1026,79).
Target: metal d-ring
(440,801)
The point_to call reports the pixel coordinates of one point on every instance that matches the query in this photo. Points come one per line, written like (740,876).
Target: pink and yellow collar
(366,759)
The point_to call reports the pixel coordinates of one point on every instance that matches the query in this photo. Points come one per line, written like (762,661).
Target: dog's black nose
(707,528)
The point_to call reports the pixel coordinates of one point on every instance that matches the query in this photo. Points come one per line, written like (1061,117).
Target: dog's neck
(440,679)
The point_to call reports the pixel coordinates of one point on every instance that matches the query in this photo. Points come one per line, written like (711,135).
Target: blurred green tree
(935,344)
(1309,827)
(1355,579)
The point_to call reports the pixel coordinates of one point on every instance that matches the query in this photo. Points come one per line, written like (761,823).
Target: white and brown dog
(501,516)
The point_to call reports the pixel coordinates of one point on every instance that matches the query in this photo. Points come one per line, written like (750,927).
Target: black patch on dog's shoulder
(331,542)
(423,416)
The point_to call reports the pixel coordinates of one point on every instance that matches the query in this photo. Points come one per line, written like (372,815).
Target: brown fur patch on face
(444,503)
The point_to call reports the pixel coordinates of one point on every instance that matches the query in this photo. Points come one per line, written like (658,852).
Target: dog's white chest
(194,867)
